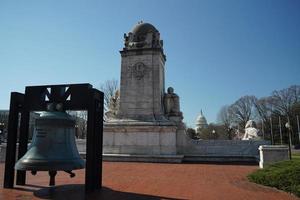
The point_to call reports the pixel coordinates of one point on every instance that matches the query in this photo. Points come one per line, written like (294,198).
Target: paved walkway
(151,181)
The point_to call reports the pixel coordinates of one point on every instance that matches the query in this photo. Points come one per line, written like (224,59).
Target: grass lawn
(283,175)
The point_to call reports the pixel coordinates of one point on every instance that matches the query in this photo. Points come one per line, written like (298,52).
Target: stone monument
(146,119)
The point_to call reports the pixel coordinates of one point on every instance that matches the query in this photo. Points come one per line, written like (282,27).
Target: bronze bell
(53,146)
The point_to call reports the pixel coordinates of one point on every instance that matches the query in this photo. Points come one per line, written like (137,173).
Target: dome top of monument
(143,36)
(143,28)
(201,120)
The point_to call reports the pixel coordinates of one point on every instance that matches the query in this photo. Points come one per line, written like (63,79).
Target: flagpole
(272,139)
(280,130)
(298,127)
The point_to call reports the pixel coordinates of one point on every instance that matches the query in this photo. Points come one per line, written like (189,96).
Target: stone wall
(218,150)
(140,140)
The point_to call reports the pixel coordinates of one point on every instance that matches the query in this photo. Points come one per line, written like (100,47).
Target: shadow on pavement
(76,192)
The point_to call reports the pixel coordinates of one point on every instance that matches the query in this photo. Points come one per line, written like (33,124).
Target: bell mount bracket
(73,97)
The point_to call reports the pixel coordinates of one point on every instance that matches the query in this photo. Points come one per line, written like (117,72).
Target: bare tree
(264,108)
(295,89)
(80,123)
(283,100)
(225,118)
(191,133)
(284,103)
(243,109)
(109,89)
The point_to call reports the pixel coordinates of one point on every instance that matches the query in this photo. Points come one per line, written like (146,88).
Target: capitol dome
(201,121)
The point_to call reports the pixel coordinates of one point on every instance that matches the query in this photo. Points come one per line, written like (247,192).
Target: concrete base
(139,158)
(139,138)
(175,158)
(144,158)
(272,153)
(157,141)
(187,146)
(220,158)
(186,150)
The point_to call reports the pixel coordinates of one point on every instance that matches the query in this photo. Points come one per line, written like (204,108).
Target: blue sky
(217,51)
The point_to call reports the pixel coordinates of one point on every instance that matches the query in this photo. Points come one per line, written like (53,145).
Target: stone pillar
(142,75)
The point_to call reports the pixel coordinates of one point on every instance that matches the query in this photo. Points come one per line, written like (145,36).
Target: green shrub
(283,175)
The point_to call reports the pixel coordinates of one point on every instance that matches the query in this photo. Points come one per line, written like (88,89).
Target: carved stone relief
(138,71)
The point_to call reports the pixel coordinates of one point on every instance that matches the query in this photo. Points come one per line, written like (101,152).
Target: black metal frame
(74,97)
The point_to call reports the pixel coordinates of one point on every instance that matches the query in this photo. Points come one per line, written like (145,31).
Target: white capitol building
(201,123)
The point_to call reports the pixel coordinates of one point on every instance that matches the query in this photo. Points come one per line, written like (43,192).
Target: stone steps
(178,158)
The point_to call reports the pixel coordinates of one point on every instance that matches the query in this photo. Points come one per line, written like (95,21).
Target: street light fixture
(229,130)
(2,126)
(213,133)
(76,131)
(288,126)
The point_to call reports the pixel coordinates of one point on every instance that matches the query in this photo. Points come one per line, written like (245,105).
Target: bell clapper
(52,175)
(72,174)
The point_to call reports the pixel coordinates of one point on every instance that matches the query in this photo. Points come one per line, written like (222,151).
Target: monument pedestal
(139,138)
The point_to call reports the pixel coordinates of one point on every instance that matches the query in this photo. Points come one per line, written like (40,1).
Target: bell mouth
(44,165)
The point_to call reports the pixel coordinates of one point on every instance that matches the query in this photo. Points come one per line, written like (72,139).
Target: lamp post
(280,132)
(238,131)
(76,131)
(213,133)
(229,132)
(272,137)
(298,126)
(263,128)
(288,126)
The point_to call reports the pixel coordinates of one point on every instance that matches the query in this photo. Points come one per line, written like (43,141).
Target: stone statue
(251,132)
(172,106)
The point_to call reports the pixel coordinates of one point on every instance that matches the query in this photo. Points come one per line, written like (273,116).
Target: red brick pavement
(123,180)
